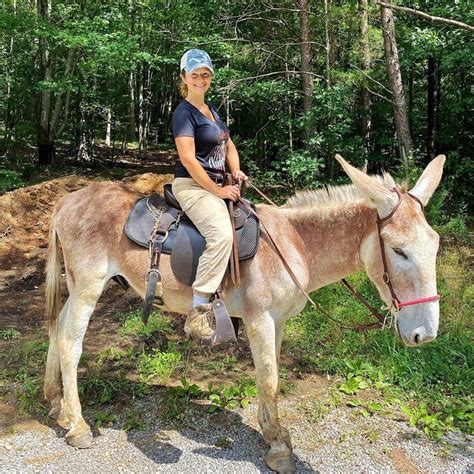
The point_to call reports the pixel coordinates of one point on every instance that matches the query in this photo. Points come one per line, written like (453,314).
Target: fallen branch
(439,19)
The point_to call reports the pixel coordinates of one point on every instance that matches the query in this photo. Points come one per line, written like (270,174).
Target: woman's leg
(210,216)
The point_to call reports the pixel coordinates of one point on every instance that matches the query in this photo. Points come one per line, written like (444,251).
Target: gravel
(340,442)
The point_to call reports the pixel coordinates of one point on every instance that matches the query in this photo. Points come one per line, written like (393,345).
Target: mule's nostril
(417,338)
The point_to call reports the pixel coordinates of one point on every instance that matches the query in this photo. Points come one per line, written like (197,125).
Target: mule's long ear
(429,180)
(371,187)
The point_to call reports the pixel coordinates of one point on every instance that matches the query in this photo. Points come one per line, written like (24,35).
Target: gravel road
(230,442)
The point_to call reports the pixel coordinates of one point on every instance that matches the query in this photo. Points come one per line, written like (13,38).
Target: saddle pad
(186,244)
(140,221)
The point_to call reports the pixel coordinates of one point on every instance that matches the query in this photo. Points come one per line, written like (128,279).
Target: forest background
(297,81)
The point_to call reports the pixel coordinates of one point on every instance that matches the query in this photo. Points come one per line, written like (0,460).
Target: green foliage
(223,443)
(102,418)
(97,387)
(24,363)
(257,82)
(7,334)
(455,229)
(115,355)
(158,366)
(437,422)
(30,397)
(132,324)
(133,420)
(177,400)
(232,396)
(98,390)
(105,378)
(300,169)
(10,180)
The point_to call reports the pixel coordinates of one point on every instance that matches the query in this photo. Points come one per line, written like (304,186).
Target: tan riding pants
(210,215)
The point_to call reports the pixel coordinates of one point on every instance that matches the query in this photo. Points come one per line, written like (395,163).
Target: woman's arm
(187,155)
(233,161)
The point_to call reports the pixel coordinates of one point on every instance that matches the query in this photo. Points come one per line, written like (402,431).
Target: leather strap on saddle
(234,256)
(154,286)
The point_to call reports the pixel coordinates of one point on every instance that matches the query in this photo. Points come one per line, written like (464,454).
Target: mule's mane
(325,197)
(331,196)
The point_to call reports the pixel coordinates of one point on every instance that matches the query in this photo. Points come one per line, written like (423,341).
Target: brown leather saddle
(160,220)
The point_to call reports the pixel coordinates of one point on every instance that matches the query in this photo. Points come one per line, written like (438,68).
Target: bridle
(396,303)
(386,277)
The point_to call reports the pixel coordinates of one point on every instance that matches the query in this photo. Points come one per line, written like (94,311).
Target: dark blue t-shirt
(210,137)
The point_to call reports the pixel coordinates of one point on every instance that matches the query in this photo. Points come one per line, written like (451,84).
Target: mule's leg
(71,330)
(279,333)
(261,334)
(53,386)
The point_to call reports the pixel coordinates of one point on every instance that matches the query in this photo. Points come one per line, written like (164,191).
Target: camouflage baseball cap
(194,59)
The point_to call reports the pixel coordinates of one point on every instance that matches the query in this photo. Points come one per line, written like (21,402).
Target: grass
(158,366)
(7,334)
(432,385)
(132,324)
(24,364)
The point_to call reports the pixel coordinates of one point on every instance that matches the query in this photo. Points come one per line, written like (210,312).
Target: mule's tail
(53,279)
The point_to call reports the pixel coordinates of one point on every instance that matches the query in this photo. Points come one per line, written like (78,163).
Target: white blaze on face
(411,257)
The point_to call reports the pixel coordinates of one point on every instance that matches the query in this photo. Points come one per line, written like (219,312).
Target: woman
(204,148)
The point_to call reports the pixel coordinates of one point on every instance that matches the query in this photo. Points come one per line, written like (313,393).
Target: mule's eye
(400,252)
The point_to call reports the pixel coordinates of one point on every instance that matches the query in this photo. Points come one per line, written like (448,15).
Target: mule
(325,235)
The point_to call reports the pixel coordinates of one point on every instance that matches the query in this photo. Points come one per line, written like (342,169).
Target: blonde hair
(183,88)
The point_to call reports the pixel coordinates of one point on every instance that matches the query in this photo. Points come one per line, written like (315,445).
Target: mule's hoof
(283,464)
(81,441)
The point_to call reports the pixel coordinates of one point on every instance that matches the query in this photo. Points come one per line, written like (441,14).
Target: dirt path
(231,442)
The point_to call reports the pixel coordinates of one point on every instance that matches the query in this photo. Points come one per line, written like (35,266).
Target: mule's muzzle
(418,337)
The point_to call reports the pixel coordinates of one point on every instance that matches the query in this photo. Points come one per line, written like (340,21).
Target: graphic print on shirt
(217,158)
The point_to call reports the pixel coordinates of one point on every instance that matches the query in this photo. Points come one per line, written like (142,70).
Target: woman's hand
(239,176)
(229,192)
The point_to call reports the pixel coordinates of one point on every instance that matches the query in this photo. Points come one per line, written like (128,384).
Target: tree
(396,85)
(49,117)
(366,121)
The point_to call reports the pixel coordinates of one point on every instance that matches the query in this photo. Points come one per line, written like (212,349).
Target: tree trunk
(141,112)
(327,43)
(131,106)
(108,130)
(411,100)
(83,150)
(9,70)
(290,109)
(44,141)
(306,56)
(329,61)
(396,86)
(437,105)
(430,107)
(366,119)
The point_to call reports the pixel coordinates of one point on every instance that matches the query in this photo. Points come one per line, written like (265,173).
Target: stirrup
(224,328)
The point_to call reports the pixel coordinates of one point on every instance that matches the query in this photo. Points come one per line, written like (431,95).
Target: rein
(386,278)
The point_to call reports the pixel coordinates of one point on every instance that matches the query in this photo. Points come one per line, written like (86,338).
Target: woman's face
(198,81)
